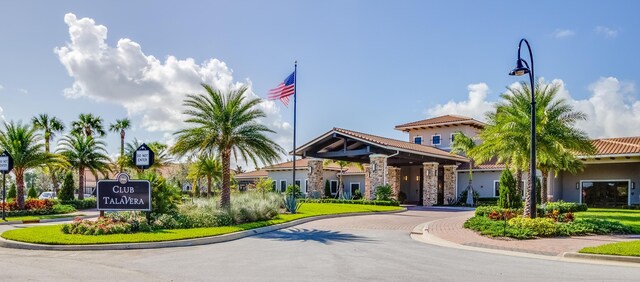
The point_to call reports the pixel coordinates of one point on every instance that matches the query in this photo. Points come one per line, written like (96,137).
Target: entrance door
(421,189)
(440,200)
(605,193)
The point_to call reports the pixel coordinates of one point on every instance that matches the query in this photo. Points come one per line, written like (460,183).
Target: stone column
(393,178)
(367,180)
(430,184)
(316,181)
(449,183)
(377,166)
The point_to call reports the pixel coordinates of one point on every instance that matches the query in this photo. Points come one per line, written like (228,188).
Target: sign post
(6,165)
(124,194)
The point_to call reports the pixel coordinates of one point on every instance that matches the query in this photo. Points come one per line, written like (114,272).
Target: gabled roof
(446,120)
(304,164)
(617,146)
(386,143)
(252,174)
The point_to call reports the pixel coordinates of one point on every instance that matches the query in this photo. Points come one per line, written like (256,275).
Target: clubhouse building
(423,171)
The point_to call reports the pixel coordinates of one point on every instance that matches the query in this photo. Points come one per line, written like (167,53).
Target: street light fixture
(520,70)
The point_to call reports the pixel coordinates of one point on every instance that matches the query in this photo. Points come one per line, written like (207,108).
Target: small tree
(509,198)
(32,193)
(293,190)
(264,185)
(327,189)
(164,197)
(66,193)
(384,193)
(11,194)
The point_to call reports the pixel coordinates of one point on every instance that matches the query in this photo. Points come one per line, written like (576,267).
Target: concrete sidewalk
(84,214)
(451,229)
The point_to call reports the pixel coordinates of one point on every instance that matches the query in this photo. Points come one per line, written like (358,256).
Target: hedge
(88,203)
(358,202)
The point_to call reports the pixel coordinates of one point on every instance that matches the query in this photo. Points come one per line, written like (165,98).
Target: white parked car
(48,195)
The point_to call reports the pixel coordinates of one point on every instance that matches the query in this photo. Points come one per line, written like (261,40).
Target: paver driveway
(359,248)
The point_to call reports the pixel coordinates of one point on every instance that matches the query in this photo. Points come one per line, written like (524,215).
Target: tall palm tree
(50,126)
(26,147)
(462,144)
(120,126)
(207,166)
(341,165)
(85,153)
(226,124)
(89,125)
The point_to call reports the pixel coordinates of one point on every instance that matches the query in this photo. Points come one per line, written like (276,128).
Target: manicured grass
(52,235)
(630,218)
(631,248)
(40,217)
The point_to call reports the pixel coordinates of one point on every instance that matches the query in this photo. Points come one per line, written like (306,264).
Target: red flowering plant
(101,226)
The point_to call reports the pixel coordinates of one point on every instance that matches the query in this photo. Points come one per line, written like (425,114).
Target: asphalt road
(361,248)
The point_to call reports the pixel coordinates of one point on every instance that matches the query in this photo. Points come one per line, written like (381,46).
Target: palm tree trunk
(208,185)
(225,199)
(20,188)
(543,187)
(121,150)
(527,199)
(519,182)
(81,183)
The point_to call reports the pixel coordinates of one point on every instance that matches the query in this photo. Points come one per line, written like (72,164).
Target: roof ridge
(395,140)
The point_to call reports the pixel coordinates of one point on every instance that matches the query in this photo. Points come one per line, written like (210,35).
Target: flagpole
(295,94)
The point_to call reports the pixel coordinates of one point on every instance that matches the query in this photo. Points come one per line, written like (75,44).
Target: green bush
(60,209)
(11,194)
(541,226)
(494,228)
(327,189)
(164,197)
(391,202)
(383,193)
(487,201)
(562,207)
(462,198)
(32,193)
(291,204)
(509,197)
(293,190)
(250,207)
(87,203)
(68,188)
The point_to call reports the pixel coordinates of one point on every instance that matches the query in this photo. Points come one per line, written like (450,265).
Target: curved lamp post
(519,71)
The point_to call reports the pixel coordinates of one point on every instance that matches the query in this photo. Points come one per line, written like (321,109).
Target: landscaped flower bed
(556,219)
(37,207)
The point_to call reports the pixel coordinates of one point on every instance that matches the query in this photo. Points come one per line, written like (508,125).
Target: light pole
(519,71)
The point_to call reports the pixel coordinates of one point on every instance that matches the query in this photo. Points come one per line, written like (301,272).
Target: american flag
(284,89)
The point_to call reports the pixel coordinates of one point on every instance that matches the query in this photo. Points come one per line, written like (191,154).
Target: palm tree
(207,166)
(342,165)
(84,152)
(89,125)
(50,126)
(26,147)
(120,126)
(462,144)
(226,124)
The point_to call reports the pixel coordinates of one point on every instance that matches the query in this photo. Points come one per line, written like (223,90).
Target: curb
(601,257)
(179,243)
(35,221)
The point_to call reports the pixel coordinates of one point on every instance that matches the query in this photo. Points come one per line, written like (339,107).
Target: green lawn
(626,217)
(51,234)
(40,217)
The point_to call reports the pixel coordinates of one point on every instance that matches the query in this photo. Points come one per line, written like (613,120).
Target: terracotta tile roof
(490,165)
(253,174)
(440,121)
(388,142)
(304,163)
(617,146)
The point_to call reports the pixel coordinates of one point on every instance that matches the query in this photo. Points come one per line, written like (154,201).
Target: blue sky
(363,65)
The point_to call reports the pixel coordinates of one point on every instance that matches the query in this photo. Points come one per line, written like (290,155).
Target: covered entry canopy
(347,145)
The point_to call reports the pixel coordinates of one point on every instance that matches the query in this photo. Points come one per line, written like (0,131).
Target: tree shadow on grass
(304,235)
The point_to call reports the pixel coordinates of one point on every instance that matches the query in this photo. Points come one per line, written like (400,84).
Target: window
(435,139)
(605,193)
(453,136)
(496,188)
(306,185)
(273,185)
(283,185)
(298,184)
(417,139)
(355,188)
(334,187)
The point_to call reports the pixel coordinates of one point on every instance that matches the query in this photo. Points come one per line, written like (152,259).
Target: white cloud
(476,106)
(612,109)
(606,32)
(149,89)
(23,91)
(1,87)
(562,33)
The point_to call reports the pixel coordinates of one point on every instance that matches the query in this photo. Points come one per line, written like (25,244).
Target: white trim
(286,183)
(337,188)
(439,139)
(350,190)
(610,180)
(494,187)
(418,136)
(609,156)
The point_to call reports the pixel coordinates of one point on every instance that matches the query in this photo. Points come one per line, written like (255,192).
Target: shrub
(540,226)
(487,201)
(293,190)
(32,193)
(11,194)
(291,204)
(164,197)
(402,197)
(562,207)
(264,185)
(509,197)
(493,228)
(87,203)
(59,209)
(462,198)
(383,193)
(327,189)
(250,207)
(101,226)
(505,214)
(357,195)
(68,188)
(391,202)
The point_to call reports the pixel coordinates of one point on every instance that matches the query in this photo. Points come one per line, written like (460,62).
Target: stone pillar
(450,183)
(393,178)
(316,181)
(430,184)
(367,180)
(377,166)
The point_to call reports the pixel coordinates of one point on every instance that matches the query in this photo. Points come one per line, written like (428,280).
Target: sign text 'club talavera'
(143,157)
(123,194)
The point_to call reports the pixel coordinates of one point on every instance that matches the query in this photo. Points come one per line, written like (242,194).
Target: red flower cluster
(29,204)
(502,215)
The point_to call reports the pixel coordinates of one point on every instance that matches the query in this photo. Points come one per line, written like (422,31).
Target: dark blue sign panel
(123,194)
